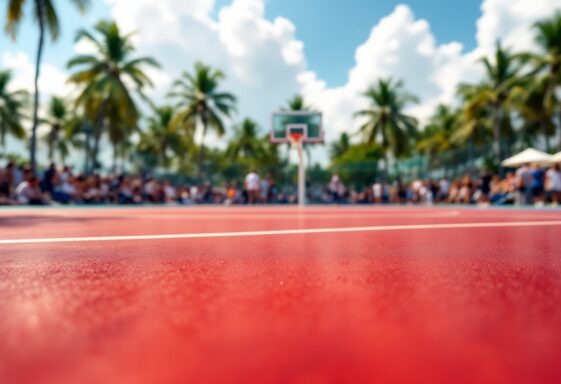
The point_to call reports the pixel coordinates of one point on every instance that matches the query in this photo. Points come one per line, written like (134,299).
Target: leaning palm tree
(12,104)
(109,79)
(503,74)
(201,103)
(549,40)
(44,13)
(385,120)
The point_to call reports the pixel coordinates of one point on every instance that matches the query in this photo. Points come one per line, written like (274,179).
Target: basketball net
(296,139)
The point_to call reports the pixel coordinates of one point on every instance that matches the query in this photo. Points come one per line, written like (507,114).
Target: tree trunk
(98,130)
(88,132)
(386,166)
(546,136)
(559,146)
(497,134)
(95,150)
(51,151)
(201,161)
(33,143)
(115,157)
(124,159)
(385,148)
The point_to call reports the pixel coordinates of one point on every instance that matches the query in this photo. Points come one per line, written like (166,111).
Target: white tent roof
(556,158)
(529,156)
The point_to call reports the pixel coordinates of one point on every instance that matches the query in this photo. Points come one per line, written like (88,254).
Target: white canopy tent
(527,156)
(556,158)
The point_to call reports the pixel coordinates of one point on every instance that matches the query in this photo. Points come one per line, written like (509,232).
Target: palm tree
(385,120)
(475,123)
(63,128)
(12,104)
(436,137)
(163,137)
(296,103)
(201,103)
(549,40)
(246,141)
(536,106)
(341,146)
(45,15)
(106,78)
(502,76)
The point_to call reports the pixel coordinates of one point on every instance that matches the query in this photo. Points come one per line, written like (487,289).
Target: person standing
(485,187)
(252,185)
(553,183)
(443,190)
(537,184)
(336,188)
(523,194)
(272,189)
(377,192)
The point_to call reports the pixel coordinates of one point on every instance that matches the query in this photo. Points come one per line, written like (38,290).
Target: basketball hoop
(297,128)
(295,137)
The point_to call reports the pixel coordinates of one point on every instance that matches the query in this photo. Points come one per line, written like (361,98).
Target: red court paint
(438,305)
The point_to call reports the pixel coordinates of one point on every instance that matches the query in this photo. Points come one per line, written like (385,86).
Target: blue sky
(344,25)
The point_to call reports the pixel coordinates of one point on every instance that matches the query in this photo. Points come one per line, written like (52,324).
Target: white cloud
(51,82)
(510,21)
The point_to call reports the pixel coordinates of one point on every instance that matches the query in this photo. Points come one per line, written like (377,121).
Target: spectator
(377,192)
(48,181)
(336,189)
(484,187)
(443,190)
(170,193)
(252,185)
(523,195)
(553,183)
(28,192)
(537,176)
(7,185)
(272,188)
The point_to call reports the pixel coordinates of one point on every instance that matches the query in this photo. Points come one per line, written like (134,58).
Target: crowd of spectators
(530,184)
(19,186)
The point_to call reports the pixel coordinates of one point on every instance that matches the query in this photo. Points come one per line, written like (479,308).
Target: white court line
(293,216)
(281,232)
(242,216)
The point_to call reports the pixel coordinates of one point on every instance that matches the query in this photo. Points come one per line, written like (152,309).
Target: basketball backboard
(304,125)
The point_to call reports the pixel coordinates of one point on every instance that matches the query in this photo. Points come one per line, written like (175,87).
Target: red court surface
(280,295)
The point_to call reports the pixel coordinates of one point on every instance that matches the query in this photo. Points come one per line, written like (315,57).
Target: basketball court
(280,294)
